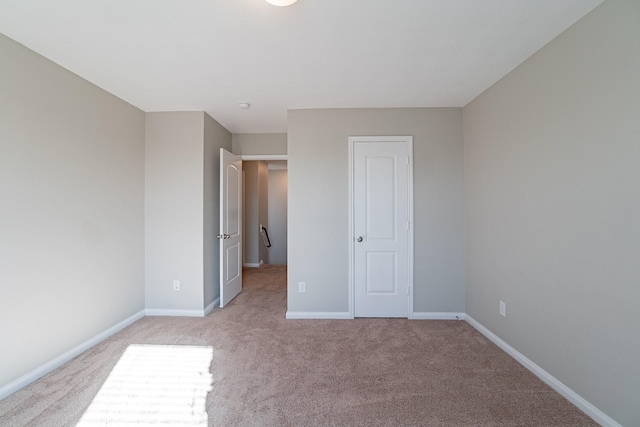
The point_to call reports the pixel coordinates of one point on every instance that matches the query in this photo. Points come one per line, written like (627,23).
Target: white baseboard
(43,370)
(347,315)
(318,315)
(437,315)
(573,397)
(173,313)
(252,264)
(169,312)
(208,309)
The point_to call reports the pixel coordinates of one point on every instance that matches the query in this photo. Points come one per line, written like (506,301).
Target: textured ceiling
(194,55)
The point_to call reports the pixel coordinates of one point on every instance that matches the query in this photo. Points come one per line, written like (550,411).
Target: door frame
(245,157)
(258,158)
(351,235)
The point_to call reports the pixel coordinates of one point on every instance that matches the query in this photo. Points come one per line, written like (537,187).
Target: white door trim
(257,157)
(351,235)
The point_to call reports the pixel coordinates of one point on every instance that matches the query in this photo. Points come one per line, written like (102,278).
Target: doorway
(232,218)
(264,210)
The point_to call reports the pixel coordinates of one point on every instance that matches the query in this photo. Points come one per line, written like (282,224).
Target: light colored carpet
(268,371)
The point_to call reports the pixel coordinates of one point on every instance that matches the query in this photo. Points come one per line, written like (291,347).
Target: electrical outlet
(176,285)
(302,287)
(503,309)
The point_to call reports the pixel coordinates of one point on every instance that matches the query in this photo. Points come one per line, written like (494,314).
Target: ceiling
(209,55)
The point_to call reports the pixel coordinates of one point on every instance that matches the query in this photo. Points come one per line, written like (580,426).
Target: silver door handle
(226,236)
(359,239)
(219,236)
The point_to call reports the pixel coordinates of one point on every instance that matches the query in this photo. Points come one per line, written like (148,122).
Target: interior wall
(318,204)
(250,228)
(552,208)
(174,210)
(277,213)
(263,208)
(259,143)
(72,216)
(215,137)
(255,211)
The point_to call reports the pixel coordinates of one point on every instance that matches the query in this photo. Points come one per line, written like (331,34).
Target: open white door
(230,226)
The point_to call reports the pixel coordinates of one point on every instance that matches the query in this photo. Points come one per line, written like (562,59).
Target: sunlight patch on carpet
(154,385)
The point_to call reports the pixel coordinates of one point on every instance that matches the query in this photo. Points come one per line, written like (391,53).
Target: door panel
(230,226)
(381,273)
(381,179)
(232,223)
(233,269)
(380,197)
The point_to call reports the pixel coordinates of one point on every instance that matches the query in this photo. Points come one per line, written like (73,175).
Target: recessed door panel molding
(381,226)
(380,194)
(381,273)
(233,269)
(232,224)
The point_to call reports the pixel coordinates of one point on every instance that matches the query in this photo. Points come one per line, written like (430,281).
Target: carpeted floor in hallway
(268,371)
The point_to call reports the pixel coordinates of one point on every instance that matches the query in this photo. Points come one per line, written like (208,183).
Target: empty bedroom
(320,213)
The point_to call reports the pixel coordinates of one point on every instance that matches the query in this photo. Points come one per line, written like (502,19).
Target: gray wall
(277,213)
(318,203)
(182,204)
(215,137)
(259,143)
(250,212)
(174,210)
(552,184)
(263,207)
(255,210)
(72,216)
